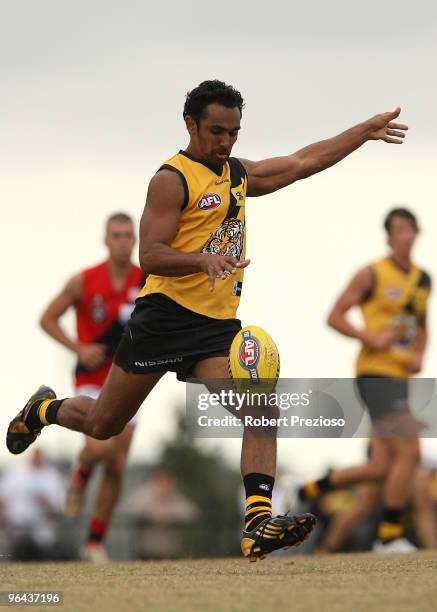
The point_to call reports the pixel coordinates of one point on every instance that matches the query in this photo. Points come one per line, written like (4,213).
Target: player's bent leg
(108,495)
(345,521)
(406,457)
(92,453)
(263,533)
(374,470)
(114,468)
(122,395)
(424,516)
(397,490)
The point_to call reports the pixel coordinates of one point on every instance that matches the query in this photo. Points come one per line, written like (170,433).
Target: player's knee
(103,430)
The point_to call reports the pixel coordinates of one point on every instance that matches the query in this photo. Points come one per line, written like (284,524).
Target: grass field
(343,583)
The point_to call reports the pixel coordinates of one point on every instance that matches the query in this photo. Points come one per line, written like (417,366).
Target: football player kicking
(192,246)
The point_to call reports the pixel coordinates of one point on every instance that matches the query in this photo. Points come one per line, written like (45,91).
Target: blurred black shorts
(383,395)
(163,336)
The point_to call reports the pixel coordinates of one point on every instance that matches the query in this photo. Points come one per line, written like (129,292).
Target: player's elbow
(44,321)
(331,320)
(147,259)
(146,263)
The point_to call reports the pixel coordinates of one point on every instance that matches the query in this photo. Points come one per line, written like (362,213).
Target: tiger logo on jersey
(228,239)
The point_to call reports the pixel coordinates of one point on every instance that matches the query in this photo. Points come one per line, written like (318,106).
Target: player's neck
(402,260)
(194,152)
(119,270)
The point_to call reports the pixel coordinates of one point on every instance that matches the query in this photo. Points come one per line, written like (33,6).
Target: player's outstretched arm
(158,227)
(269,175)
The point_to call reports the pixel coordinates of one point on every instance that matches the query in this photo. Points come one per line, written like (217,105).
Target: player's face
(402,235)
(120,240)
(216,133)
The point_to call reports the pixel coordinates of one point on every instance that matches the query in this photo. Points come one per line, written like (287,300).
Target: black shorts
(163,336)
(383,395)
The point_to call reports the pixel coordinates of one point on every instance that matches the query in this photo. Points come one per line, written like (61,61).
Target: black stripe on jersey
(238,173)
(424,280)
(183,181)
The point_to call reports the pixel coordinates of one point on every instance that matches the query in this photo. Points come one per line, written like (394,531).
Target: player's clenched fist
(220,266)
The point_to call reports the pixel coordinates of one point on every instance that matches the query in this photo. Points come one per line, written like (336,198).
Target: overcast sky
(91,104)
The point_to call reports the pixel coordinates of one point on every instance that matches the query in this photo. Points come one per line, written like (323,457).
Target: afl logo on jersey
(98,309)
(209,201)
(393,292)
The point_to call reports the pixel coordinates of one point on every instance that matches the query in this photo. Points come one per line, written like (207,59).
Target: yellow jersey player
(192,246)
(392,294)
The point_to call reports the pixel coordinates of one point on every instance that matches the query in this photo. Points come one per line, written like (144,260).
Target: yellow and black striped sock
(390,526)
(259,489)
(43,413)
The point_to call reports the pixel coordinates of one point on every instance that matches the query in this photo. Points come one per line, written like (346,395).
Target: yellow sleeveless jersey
(398,299)
(212,221)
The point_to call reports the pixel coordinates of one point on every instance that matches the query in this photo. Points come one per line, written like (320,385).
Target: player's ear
(389,241)
(191,125)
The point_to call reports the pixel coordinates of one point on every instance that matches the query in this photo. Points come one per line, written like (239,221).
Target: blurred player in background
(31,501)
(392,294)
(103,298)
(192,243)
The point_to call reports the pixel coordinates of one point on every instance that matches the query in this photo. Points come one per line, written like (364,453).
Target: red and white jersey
(102,314)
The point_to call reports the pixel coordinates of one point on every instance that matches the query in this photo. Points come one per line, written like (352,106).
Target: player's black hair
(210,92)
(119,217)
(403,213)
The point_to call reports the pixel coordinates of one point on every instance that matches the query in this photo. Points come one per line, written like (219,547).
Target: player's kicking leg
(263,533)
(122,395)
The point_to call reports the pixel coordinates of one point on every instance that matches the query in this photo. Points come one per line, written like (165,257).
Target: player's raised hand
(383,127)
(220,266)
